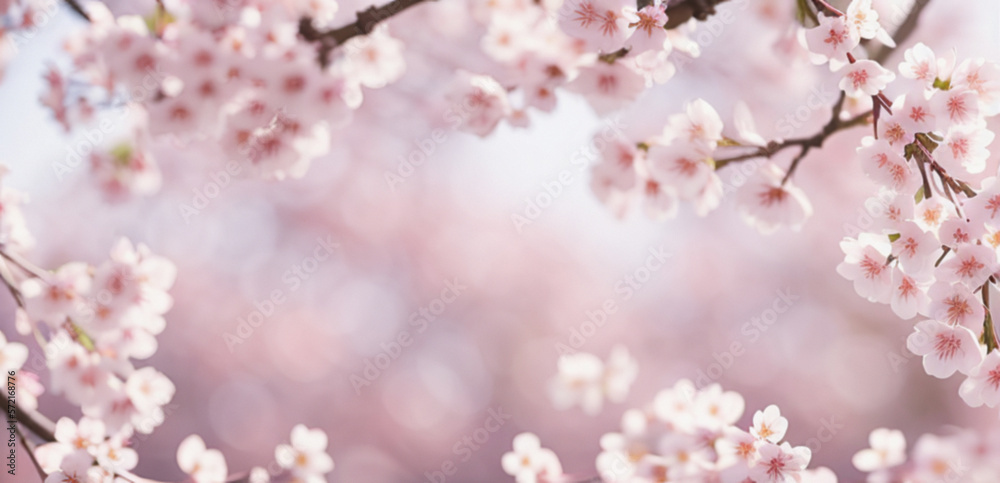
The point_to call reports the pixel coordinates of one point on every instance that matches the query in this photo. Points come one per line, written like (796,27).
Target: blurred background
(831,357)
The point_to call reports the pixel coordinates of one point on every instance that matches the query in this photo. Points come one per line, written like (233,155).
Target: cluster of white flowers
(92,323)
(935,254)
(963,455)
(680,164)
(687,434)
(586,381)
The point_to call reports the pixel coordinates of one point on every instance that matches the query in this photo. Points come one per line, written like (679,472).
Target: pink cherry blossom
(865,77)
(982,387)
(971,265)
(865,265)
(201,464)
(964,149)
(833,38)
(945,348)
(306,457)
(768,425)
(529,462)
(780,464)
(608,86)
(920,64)
(768,204)
(888,449)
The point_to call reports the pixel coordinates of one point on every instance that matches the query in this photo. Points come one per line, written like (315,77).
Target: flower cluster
(679,164)
(305,459)
(963,455)
(236,75)
(686,434)
(265,83)
(92,323)
(934,253)
(586,381)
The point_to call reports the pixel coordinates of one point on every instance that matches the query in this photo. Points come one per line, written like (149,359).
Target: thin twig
(75,6)
(30,448)
(366,21)
(903,32)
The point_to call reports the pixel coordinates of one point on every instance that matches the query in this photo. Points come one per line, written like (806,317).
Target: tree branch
(680,11)
(903,32)
(805,143)
(366,21)
(834,125)
(75,6)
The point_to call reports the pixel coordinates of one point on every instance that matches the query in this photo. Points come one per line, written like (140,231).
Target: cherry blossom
(888,449)
(865,265)
(306,457)
(971,265)
(646,26)
(12,354)
(865,77)
(201,464)
(945,348)
(768,425)
(608,86)
(963,149)
(529,462)
(586,381)
(983,384)
(600,23)
(920,64)
(833,38)
(767,203)
(955,304)
(780,463)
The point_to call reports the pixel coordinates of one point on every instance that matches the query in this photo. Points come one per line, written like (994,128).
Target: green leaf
(122,154)
(928,143)
(804,14)
(81,337)
(893,237)
(942,84)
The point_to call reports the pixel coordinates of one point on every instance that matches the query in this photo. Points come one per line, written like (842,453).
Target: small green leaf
(804,14)
(122,154)
(942,84)
(893,237)
(81,337)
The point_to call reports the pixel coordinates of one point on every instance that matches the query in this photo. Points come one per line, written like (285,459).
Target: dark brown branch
(834,125)
(679,12)
(903,32)
(366,21)
(989,332)
(30,448)
(75,6)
